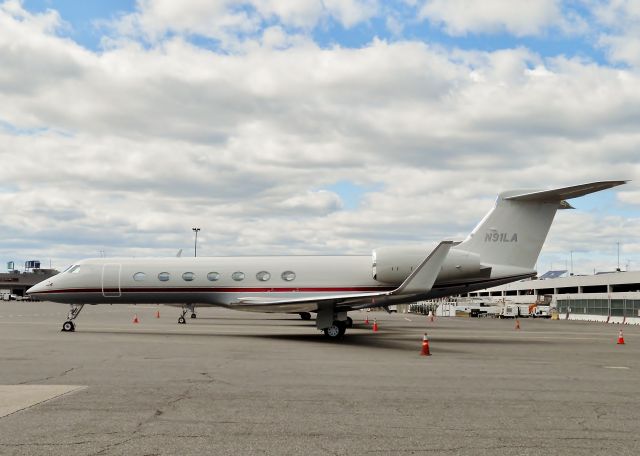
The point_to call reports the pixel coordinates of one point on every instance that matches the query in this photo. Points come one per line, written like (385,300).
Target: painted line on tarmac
(14,398)
(408,319)
(616,367)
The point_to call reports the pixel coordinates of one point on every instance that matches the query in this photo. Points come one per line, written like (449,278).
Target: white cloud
(128,148)
(621,35)
(232,22)
(518,17)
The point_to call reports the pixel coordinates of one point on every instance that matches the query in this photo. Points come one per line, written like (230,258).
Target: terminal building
(613,297)
(16,283)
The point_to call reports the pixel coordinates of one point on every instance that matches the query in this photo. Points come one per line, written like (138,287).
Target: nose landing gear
(69,326)
(185,309)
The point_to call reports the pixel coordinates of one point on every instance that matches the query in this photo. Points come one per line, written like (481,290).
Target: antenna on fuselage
(179,254)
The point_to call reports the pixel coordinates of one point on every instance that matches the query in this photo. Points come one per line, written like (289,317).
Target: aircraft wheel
(68,326)
(335,331)
(349,322)
(305,315)
(193,315)
(181,320)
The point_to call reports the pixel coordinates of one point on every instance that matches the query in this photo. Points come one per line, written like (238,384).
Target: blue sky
(87,27)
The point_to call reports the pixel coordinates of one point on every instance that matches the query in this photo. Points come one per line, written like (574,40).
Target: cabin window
(139,276)
(188,276)
(288,276)
(74,269)
(237,276)
(164,276)
(213,276)
(263,276)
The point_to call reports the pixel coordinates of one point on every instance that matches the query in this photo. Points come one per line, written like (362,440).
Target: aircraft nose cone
(37,288)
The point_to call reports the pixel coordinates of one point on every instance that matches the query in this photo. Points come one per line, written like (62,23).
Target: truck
(514,311)
(541,312)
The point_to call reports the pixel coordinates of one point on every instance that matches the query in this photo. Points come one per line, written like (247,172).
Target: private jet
(502,248)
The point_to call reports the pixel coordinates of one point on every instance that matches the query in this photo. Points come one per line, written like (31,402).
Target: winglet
(421,280)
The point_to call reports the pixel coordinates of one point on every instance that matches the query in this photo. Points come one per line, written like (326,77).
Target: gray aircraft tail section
(513,232)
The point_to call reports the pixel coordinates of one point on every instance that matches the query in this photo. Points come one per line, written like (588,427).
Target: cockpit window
(74,269)
(68,267)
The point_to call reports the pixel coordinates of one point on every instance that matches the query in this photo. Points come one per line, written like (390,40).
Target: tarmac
(254,384)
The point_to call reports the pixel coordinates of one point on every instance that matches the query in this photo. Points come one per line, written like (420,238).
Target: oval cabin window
(139,276)
(164,276)
(263,276)
(288,276)
(237,276)
(188,276)
(213,276)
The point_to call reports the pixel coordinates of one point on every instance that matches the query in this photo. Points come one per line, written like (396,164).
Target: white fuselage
(223,280)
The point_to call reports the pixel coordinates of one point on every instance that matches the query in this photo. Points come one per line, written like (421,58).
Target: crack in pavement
(51,377)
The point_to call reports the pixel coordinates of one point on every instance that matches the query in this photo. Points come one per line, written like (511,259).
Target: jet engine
(394,264)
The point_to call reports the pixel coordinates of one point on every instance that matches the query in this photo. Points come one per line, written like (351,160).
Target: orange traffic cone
(375,325)
(425,346)
(366,321)
(620,338)
(157,314)
(517,324)
(135,318)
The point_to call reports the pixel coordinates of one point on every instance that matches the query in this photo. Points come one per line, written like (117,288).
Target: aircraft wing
(419,282)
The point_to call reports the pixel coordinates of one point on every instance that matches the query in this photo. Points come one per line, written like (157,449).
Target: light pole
(195,243)
(571,263)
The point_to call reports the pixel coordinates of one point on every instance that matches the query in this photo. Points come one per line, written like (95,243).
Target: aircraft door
(111,280)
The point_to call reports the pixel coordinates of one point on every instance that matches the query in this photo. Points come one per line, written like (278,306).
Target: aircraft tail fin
(513,232)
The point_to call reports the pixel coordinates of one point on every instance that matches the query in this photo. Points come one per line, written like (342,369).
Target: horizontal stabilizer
(559,194)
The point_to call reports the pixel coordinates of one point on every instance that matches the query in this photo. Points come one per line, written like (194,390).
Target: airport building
(16,283)
(613,297)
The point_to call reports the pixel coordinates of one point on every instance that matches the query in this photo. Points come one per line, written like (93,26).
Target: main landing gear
(305,316)
(69,326)
(185,309)
(333,324)
(336,330)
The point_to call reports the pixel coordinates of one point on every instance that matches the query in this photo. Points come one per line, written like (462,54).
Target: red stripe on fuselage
(220,290)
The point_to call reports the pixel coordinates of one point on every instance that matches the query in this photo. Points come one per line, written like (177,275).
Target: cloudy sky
(312,126)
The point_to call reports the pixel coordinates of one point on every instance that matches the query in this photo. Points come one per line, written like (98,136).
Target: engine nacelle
(394,264)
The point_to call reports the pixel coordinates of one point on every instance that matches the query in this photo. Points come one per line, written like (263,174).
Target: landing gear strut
(185,309)
(69,326)
(333,324)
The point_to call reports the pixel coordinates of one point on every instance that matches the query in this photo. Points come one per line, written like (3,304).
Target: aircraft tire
(181,320)
(335,331)
(193,315)
(349,322)
(305,316)
(68,326)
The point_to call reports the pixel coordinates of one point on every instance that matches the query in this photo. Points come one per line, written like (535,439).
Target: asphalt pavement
(253,384)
